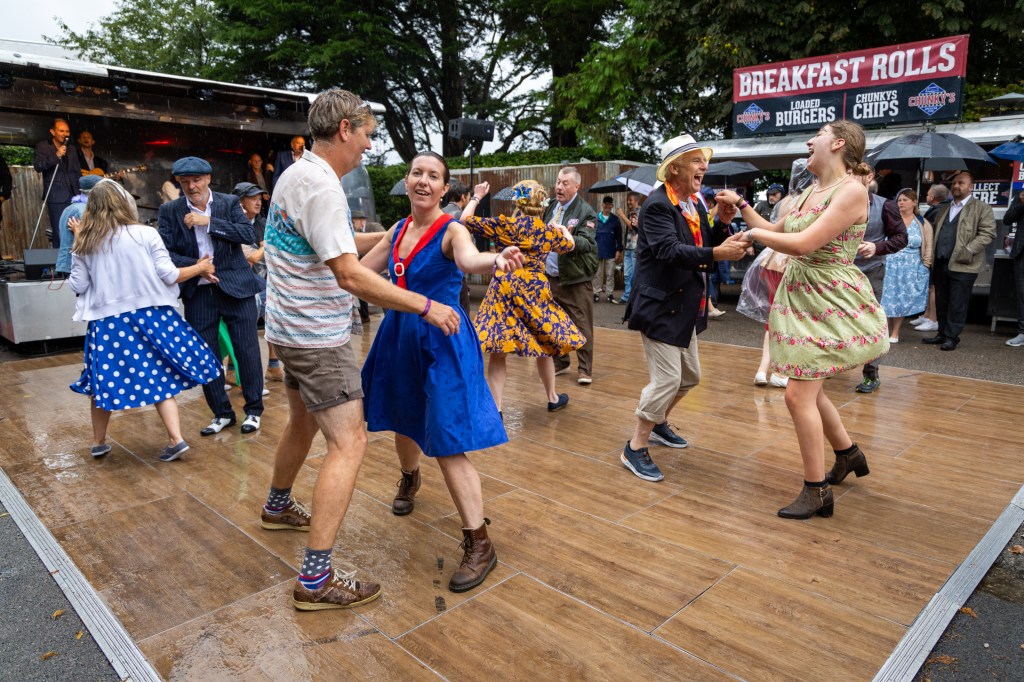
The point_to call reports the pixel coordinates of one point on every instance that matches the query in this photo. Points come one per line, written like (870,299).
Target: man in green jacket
(571,273)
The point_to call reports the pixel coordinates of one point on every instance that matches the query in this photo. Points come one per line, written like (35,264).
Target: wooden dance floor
(601,576)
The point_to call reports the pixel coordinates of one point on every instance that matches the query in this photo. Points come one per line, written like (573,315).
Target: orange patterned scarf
(692,220)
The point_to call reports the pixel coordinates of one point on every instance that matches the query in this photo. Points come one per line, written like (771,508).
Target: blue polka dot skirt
(143,357)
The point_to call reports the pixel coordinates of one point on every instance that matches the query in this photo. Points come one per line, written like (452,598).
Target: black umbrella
(607,186)
(399,189)
(738,172)
(929,151)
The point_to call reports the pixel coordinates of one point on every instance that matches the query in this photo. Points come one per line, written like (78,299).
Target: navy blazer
(229,229)
(68,170)
(670,271)
(282,161)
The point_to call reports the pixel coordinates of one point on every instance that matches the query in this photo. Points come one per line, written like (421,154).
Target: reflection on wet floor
(600,575)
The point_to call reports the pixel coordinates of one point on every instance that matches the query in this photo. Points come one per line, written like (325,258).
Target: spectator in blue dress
(138,350)
(609,250)
(905,288)
(426,386)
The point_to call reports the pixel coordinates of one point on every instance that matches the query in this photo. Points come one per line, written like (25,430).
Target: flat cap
(246,189)
(88,182)
(191,165)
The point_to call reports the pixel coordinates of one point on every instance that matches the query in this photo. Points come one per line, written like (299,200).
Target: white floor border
(115,642)
(910,654)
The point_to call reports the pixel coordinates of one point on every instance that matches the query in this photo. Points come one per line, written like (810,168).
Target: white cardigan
(131,270)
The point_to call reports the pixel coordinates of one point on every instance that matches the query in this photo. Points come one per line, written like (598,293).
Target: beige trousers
(673,371)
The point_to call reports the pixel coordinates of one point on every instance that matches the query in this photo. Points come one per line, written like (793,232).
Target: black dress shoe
(217,425)
(934,340)
(948,345)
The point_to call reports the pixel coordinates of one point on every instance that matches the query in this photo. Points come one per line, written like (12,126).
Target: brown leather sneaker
(293,517)
(340,592)
(273,374)
(477,561)
(407,487)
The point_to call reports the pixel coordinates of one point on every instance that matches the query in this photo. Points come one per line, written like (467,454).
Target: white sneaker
(779,382)
(1016,341)
(251,423)
(928,326)
(266,391)
(760,379)
(893,339)
(918,321)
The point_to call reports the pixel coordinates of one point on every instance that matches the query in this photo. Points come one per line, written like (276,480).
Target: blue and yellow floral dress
(825,318)
(518,314)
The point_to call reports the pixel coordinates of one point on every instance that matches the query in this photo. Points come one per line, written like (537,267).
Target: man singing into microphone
(61,172)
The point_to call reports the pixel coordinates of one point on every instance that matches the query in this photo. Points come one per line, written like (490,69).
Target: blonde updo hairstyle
(853,150)
(537,201)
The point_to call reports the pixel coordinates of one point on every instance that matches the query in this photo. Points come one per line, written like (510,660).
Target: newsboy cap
(246,189)
(191,165)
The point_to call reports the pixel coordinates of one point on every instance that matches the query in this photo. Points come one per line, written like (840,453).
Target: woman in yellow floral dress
(518,314)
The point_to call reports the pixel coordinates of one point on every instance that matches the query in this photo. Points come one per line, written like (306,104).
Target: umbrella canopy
(1010,99)
(1014,151)
(929,151)
(399,189)
(642,179)
(736,172)
(607,186)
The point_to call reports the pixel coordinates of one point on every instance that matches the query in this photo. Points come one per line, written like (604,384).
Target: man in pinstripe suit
(200,223)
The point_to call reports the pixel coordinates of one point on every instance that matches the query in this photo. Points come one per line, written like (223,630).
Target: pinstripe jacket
(229,230)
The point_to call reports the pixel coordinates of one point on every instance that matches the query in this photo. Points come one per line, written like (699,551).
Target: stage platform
(601,576)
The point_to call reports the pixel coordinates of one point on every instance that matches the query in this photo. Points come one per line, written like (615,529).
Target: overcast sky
(32,21)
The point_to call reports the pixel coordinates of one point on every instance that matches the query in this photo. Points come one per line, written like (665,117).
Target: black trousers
(1018,286)
(952,297)
(204,312)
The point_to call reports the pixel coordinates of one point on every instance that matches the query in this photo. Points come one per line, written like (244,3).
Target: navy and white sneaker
(640,463)
(664,435)
(173,452)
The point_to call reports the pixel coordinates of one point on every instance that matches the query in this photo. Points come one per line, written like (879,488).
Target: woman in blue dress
(138,349)
(905,290)
(427,387)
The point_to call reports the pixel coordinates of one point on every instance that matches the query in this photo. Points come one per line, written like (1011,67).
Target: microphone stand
(46,196)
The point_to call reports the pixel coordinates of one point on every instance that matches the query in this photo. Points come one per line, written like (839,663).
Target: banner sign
(992,192)
(905,83)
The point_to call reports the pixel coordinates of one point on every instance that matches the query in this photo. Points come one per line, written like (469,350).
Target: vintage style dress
(519,314)
(422,384)
(825,319)
(905,291)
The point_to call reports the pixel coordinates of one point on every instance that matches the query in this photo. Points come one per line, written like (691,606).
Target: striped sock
(316,568)
(278,500)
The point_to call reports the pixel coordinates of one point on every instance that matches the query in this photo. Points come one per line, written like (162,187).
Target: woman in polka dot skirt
(138,349)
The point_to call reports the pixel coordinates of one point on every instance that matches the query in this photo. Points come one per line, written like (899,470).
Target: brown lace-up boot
(810,501)
(478,560)
(407,487)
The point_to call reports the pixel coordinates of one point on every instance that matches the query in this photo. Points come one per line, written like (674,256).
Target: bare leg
(496,375)
(765,356)
(546,371)
(295,442)
(464,485)
(342,426)
(832,424)
(271,353)
(408,453)
(897,322)
(168,411)
(100,420)
(929,312)
(802,401)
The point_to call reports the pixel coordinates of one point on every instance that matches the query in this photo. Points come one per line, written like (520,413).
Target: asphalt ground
(985,641)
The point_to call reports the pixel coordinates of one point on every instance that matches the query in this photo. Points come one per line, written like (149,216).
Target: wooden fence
(20,214)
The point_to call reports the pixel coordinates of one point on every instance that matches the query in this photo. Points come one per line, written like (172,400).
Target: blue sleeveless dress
(422,384)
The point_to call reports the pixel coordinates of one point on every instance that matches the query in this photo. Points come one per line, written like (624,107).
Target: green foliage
(168,36)
(667,64)
(976,94)
(17,156)
(382,178)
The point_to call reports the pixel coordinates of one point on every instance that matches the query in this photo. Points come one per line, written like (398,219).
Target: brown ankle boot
(407,487)
(809,502)
(478,560)
(855,462)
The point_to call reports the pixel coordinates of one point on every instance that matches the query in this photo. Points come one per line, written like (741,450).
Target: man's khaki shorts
(324,377)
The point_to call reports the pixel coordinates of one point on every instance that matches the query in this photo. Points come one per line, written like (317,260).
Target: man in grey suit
(962,231)
(571,273)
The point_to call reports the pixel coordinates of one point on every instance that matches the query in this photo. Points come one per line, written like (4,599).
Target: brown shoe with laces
(273,374)
(293,517)
(407,487)
(342,591)
(477,561)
